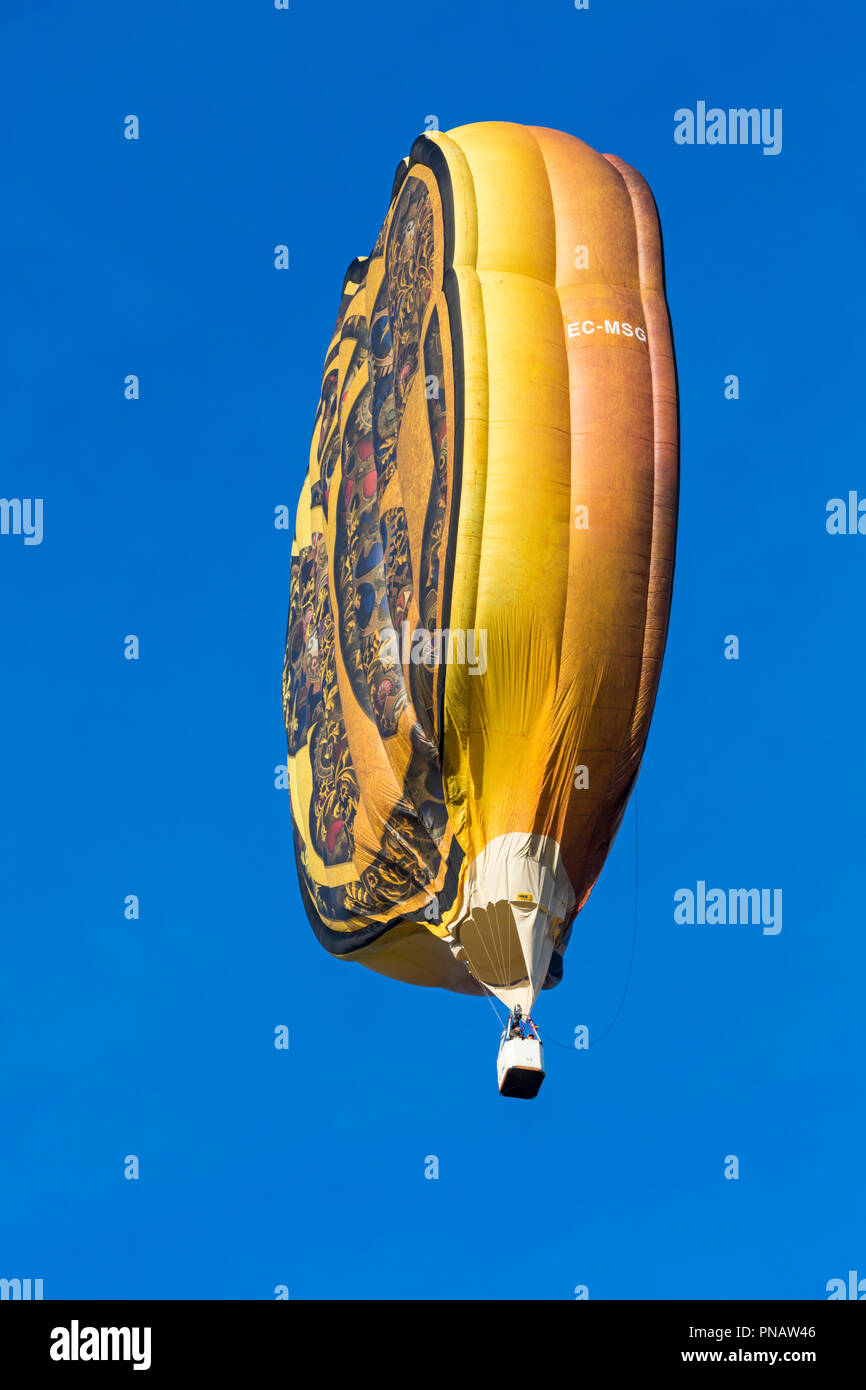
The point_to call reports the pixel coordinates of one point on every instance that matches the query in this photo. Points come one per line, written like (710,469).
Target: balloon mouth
(516,899)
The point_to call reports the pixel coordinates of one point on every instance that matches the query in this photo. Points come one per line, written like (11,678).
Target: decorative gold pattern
(375,587)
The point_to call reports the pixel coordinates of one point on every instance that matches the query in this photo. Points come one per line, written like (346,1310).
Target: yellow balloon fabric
(483,560)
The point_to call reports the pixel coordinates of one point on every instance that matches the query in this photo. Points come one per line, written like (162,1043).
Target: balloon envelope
(482,566)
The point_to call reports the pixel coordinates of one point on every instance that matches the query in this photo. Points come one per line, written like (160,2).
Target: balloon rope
(489,996)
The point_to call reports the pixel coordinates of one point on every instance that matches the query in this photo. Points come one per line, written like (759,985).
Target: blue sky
(306,1168)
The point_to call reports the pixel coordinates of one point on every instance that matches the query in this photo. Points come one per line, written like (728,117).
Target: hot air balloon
(482,565)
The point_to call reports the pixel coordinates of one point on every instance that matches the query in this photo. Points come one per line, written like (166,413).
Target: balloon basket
(520,1067)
